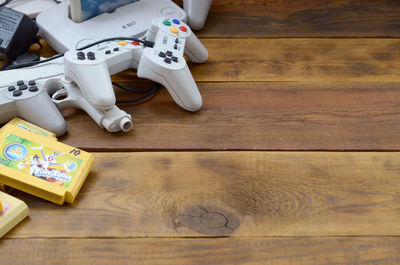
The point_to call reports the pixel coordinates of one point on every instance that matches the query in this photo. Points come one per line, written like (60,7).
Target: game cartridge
(12,212)
(41,166)
(31,127)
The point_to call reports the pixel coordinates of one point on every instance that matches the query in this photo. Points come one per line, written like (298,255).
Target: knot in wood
(209,220)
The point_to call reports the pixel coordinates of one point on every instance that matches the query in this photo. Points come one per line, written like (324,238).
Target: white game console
(132,20)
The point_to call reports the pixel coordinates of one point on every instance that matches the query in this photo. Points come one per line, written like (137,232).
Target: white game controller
(54,93)
(164,64)
(30,101)
(197,12)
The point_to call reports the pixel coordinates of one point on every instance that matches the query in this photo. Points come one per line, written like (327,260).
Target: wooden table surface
(293,158)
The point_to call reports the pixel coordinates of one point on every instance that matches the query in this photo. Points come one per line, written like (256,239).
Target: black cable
(34,63)
(5,3)
(145,42)
(132,89)
(148,94)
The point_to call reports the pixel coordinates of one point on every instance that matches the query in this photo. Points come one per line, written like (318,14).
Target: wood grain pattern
(169,194)
(224,251)
(326,18)
(263,90)
(255,116)
(300,60)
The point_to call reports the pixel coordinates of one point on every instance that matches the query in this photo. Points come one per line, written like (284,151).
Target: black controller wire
(147,92)
(5,3)
(145,43)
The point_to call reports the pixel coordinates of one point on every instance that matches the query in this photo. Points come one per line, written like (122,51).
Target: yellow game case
(12,212)
(31,127)
(41,166)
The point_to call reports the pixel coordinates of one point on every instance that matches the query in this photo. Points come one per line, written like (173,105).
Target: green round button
(167,23)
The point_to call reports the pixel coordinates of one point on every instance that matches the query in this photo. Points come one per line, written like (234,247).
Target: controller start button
(174,30)
(122,43)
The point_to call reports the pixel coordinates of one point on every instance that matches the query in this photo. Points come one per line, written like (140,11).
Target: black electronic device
(17,33)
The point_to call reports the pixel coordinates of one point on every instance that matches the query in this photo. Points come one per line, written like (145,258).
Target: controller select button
(175,59)
(174,30)
(116,49)
(167,60)
(23,87)
(108,52)
(184,29)
(11,88)
(175,46)
(175,21)
(167,23)
(162,55)
(33,88)
(32,83)
(177,40)
(20,83)
(17,93)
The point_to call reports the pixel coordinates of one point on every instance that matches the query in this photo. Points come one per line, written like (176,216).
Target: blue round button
(175,21)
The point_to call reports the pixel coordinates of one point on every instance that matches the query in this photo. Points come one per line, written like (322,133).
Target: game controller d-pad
(30,101)
(168,57)
(17,89)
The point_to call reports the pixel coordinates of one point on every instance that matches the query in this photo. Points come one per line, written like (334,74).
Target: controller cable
(5,3)
(148,92)
(145,43)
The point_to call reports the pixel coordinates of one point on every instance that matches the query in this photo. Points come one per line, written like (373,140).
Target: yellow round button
(122,43)
(174,30)
(1,207)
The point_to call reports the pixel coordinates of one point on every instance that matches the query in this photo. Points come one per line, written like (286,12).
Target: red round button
(136,43)
(184,29)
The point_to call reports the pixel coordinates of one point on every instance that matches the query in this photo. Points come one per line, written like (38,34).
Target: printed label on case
(28,128)
(38,160)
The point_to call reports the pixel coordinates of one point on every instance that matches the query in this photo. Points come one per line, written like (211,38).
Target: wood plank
(271,60)
(255,116)
(236,194)
(326,18)
(317,60)
(244,251)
